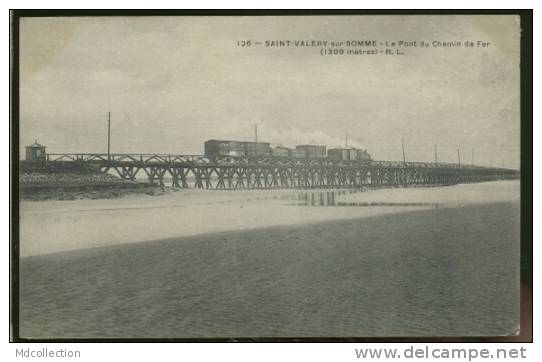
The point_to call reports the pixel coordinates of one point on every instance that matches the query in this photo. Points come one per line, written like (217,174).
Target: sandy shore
(57,226)
(451,271)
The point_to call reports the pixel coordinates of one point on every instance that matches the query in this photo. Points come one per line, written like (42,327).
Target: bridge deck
(264,173)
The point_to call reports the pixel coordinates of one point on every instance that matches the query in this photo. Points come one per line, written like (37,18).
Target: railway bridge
(227,173)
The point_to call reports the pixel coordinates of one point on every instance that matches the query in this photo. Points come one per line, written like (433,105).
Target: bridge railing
(160,159)
(126,157)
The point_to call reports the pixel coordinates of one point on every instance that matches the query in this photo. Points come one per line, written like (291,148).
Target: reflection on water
(313,198)
(329,198)
(432,197)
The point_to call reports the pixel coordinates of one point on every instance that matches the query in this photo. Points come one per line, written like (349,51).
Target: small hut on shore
(35,152)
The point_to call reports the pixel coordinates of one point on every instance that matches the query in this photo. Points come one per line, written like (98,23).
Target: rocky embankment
(74,184)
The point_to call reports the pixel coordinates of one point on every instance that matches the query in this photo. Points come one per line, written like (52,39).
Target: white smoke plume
(293,136)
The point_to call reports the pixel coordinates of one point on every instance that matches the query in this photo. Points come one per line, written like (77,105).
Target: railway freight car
(298,153)
(215,148)
(256,149)
(338,154)
(311,151)
(281,151)
(218,148)
(348,154)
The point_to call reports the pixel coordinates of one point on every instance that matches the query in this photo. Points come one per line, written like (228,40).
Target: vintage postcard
(270,176)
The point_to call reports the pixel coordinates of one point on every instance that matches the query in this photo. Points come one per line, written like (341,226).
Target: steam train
(216,149)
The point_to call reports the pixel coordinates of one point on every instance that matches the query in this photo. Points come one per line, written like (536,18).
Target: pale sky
(173,82)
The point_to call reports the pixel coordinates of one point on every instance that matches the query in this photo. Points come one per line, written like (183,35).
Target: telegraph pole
(256,139)
(436,159)
(346,140)
(403,145)
(458,158)
(109,136)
